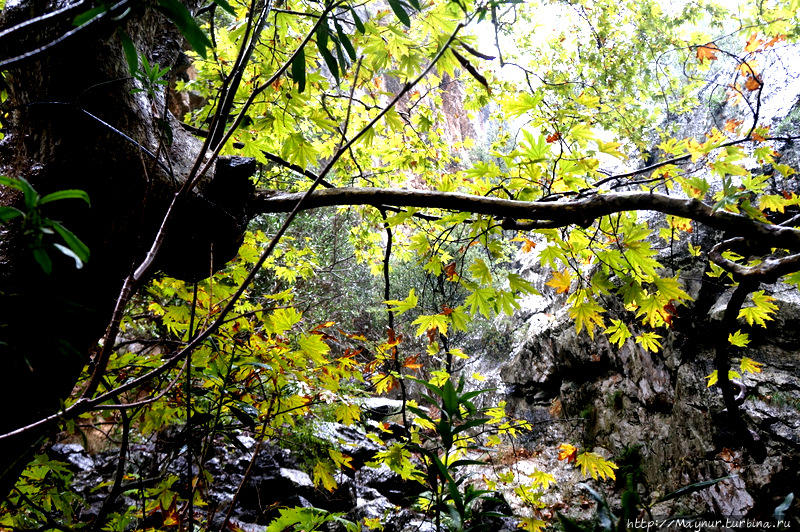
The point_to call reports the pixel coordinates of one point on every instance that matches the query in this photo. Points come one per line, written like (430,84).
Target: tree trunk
(49,323)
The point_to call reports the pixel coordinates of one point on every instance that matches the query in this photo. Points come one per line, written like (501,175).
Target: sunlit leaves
(748,365)
(618,333)
(713,377)
(761,311)
(401,306)
(561,281)
(596,466)
(435,322)
(739,339)
(586,313)
(649,341)
(707,52)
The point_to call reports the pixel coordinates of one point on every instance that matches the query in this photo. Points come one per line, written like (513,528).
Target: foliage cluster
(359,95)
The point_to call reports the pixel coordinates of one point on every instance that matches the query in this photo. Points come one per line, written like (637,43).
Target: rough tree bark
(49,323)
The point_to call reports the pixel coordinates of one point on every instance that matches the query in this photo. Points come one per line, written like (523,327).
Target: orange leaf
(446,310)
(553,137)
(567,452)
(560,281)
(528,245)
(752,83)
(411,362)
(753,43)
(707,51)
(450,271)
(760,133)
(732,125)
(432,334)
(774,40)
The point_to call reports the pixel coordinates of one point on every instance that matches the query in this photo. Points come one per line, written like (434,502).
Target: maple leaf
(567,452)
(707,51)
(618,332)
(532,524)
(596,466)
(739,339)
(649,341)
(587,314)
(560,281)
(760,312)
(713,377)
(411,362)
(401,306)
(732,125)
(753,43)
(528,245)
(753,83)
(774,40)
(553,137)
(760,133)
(748,365)
(450,271)
(540,478)
(323,475)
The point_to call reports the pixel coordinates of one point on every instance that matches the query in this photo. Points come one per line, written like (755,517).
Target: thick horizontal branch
(556,213)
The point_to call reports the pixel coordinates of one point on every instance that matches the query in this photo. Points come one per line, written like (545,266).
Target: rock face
(659,404)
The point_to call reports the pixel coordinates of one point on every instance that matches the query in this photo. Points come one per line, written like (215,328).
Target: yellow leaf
(772,202)
(323,475)
(749,365)
(567,452)
(739,339)
(761,310)
(596,466)
(531,524)
(540,478)
(618,333)
(560,281)
(713,377)
(587,314)
(649,341)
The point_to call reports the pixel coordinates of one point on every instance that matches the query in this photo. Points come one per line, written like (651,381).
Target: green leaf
(345,40)
(330,61)
(82,18)
(401,306)
(739,339)
(20,183)
(435,321)
(65,194)
(226,6)
(359,25)
(299,69)
(187,25)
(397,7)
(691,488)
(74,243)
(481,300)
(9,213)
(43,259)
(130,52)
